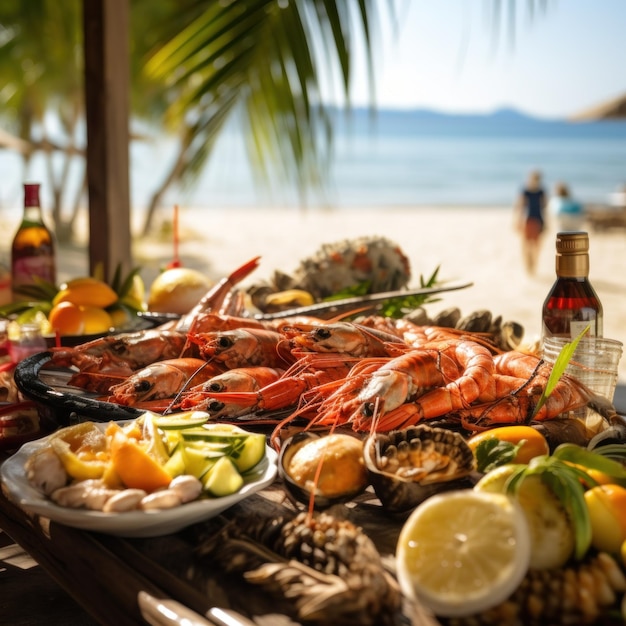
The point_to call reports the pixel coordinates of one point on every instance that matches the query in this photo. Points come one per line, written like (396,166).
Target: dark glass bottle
(33,247)
(572,304)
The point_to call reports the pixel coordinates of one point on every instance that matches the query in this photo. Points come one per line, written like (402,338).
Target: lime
(462,552)
(552,533)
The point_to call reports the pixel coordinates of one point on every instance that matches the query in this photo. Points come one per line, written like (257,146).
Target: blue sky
(449,56)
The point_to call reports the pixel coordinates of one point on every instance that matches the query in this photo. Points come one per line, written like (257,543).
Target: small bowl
(353,471)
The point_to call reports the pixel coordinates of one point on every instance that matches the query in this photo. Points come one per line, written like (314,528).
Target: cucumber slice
(176,465)
(199,462)
(244,448)
(180,421)
(223,479)
(209,446)
(250,454)
(204,434)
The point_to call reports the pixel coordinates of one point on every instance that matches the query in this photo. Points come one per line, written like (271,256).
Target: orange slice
(135,467)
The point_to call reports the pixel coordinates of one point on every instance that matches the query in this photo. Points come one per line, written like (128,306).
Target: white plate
(133,523)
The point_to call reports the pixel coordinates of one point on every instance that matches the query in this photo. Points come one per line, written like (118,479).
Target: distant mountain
(504,121)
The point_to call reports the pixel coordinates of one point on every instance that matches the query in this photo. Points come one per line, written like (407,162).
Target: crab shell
(407,466)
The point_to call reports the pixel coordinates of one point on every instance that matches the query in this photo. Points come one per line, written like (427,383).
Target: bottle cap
(572,254)
(574,242)
(31,194)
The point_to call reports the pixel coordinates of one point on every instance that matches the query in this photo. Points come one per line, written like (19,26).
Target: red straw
(176,258)
(176,261)
(57,338)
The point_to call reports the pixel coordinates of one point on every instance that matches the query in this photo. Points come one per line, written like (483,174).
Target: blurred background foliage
(195,65)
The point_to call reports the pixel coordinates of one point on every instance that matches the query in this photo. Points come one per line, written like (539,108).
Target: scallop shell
(407,466)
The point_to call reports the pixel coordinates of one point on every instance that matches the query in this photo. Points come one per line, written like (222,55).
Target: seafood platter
(396,469)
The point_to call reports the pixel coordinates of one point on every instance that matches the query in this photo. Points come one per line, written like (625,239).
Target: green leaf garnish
(600,459)
(398,307)
(558,369)
(612,451)
(360,289)
(565,481)
(493,452)
(394,307)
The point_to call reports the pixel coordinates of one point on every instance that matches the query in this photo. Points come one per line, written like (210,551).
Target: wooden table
(105,573)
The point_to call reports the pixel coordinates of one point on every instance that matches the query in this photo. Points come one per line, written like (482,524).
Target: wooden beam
(107,78)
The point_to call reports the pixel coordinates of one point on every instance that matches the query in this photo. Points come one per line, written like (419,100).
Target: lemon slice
(462,552)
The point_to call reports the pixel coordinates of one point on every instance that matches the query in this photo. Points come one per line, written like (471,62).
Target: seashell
(476,322)
(407,466)
(447,318)
(511,335)
(342,475)
(419,317)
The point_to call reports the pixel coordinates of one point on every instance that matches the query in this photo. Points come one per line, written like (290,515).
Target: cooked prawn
(163,379)
(244,347)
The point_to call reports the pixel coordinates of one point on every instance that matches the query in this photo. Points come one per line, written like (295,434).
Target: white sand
(469,244)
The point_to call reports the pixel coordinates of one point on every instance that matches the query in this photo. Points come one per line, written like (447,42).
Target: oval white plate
(133,523)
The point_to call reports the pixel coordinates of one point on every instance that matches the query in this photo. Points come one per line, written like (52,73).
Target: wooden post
(107,77)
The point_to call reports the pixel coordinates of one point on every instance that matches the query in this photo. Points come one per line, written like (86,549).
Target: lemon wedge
(463,552)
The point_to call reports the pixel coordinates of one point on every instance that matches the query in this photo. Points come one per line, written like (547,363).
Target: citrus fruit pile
(81,306)
(462,553)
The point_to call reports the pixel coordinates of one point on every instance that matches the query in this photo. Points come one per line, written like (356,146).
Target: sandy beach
(468,244)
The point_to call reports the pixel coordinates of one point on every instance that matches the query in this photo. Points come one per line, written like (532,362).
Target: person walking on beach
(568,212)
(530,208)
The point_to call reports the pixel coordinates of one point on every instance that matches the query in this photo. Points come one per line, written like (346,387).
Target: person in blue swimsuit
(530,208)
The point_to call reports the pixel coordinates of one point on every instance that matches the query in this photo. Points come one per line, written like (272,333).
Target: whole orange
(67,318)
(607,512)
(97,320)
(533,442)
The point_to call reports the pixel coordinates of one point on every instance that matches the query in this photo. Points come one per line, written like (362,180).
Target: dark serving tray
(59,402)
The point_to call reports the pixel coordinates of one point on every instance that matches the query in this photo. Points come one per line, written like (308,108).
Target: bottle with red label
(572,304)
(33,247)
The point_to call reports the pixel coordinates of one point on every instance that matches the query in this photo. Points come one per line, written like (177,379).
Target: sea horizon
(403,158)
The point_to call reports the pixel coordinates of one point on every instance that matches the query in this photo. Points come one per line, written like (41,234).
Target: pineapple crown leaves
(558,369)
(122,285)
(119,283)
(41,290)
(39,295)
(566,482)
(16,308)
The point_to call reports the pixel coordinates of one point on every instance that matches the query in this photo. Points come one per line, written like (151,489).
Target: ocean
(398,158)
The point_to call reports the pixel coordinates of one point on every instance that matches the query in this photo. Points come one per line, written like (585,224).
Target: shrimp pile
(379,374)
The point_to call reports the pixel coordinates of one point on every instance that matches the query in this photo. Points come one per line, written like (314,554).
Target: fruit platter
(427,471)
(50,475)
